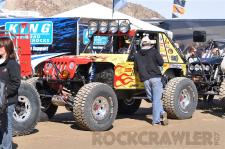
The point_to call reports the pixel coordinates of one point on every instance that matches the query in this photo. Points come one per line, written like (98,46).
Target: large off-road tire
(48,110)
(27,111)
(95,107)
(222,95)
(128,106)
(180,98)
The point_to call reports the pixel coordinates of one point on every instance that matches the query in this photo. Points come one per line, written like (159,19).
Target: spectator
(190,56)
(10,74)
(147,63)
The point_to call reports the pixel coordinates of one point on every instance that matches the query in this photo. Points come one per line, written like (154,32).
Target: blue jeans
(154,89)
(6,128)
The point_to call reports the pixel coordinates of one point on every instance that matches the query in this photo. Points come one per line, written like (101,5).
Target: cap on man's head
(146,43)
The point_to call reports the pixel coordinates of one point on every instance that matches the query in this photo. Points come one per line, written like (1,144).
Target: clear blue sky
(195,9)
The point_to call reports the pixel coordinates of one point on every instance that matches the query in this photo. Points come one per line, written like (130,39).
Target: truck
(100,82)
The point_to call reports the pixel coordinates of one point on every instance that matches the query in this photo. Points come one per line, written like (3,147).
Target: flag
(118,4)
(178,8)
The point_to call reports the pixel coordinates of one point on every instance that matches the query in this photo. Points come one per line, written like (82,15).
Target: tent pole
(112,8)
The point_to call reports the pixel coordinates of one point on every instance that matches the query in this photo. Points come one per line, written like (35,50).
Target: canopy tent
(96,11)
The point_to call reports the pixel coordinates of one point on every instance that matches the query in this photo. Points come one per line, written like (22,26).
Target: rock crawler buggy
(206,71)
(101,82)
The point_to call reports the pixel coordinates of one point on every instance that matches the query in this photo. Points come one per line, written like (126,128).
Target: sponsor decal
(176,66)
(174,58)
(41,32)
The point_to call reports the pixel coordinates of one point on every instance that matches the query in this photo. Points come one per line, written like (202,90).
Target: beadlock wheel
(22,110)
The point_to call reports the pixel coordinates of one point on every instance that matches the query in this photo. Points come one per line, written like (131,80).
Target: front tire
(27,110)
(95,107)
(180,98)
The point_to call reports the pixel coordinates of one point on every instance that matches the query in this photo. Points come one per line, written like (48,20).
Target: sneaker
(164,119)
(156,124)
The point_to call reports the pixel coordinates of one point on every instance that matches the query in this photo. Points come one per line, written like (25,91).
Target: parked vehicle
(101,81)
(206,71)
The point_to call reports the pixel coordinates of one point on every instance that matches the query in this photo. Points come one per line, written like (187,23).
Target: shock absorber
(216,73)
(92,72)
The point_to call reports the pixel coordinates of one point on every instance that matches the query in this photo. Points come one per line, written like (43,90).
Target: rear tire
(95,107)
(27,111)
(128,107)
(105,76)
(180,98)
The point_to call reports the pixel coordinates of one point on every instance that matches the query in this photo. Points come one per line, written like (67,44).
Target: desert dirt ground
(206,129)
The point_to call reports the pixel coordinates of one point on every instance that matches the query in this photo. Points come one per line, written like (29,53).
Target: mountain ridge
(53,7)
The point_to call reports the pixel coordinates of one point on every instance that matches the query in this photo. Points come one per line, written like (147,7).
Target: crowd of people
(195,50)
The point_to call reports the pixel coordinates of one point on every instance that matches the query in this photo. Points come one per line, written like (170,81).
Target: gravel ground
(206,129)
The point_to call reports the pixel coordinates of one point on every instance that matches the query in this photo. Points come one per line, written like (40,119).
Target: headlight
(103,27)
(197,67)
(71,65)
(113,27)
(124,26)
(192,67)
(207,67)
(48,66)
(93,27)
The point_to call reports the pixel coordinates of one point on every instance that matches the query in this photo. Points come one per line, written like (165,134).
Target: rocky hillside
(52,7)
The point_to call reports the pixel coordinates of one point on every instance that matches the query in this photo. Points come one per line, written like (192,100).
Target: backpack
(3,100)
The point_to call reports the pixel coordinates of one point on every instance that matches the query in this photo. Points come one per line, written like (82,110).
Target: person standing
(9,73)
(147,63)
(191,55)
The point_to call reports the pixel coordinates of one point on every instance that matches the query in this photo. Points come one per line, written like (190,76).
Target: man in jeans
(147,62)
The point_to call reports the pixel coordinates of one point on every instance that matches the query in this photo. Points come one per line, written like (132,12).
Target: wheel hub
(129,101)
(22,110)
(184,99)
(100,108)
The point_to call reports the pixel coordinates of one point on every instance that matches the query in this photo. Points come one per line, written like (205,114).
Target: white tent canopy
(96,11)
